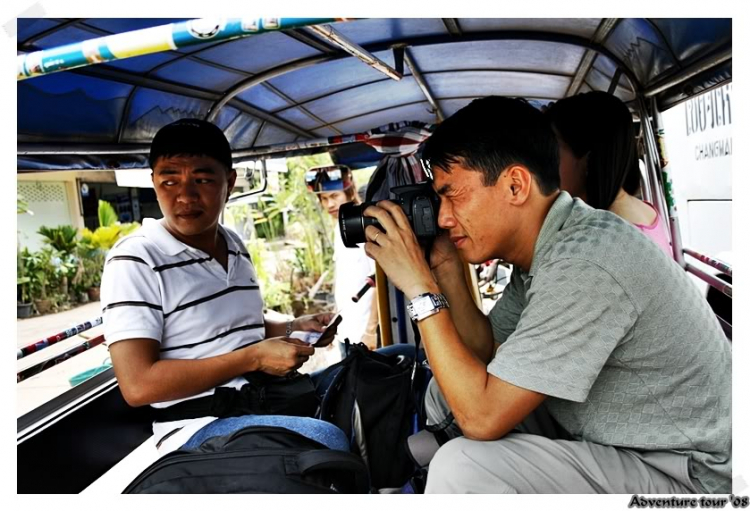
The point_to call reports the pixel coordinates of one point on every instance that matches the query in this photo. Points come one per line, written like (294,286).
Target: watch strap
(436,300)
(288,331)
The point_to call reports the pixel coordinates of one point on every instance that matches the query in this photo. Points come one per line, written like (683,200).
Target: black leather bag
(263,394)
(255,459)
(370,398)
(293,394)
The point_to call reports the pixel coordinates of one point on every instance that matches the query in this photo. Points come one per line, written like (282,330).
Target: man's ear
(231,179)
(518,182)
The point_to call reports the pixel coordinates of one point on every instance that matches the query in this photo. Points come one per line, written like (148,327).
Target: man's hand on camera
(444,257)
(396,250)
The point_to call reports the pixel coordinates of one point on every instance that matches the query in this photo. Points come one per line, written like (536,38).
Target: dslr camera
(419,202)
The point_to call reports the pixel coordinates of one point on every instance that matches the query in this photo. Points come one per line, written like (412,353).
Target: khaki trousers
(539,457)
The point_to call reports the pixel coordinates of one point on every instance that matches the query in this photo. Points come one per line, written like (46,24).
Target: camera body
(419,202)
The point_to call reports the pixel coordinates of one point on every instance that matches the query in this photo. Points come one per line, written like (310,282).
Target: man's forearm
(459,371)
(472,325)
(274,328)
(166,380)
(484,406)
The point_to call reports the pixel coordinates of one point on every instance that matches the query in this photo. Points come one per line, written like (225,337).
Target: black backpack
(371,400)
(255,459)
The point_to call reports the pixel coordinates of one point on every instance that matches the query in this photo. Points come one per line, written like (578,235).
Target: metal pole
(650,159)
(53,361)
(49,341)
(32,149)
(709,279)
(330,35)
(44,149)
(615,81)
(658,187)
(690,72)
(384,306)
(726,327)
(305,144)
(262,78)
(584,66)
(151,40)
(419,78)
(646,188)
(241,198)
(710,261)
(667,188)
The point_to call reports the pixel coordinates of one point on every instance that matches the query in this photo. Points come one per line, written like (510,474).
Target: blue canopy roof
(327,92)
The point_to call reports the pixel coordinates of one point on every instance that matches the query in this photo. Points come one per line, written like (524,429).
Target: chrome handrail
(709,279)
(53,360)
(717,264)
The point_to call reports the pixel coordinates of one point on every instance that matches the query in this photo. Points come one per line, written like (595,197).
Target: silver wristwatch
(425,305)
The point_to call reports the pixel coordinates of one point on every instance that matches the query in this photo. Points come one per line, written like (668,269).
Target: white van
(698,135)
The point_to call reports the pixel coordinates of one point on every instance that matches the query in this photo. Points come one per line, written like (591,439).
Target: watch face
(422,305)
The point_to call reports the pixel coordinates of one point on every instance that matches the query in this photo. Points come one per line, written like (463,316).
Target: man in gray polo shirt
(598,328)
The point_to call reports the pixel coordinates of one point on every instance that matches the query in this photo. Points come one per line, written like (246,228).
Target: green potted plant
(63,239)
(38,270)
(92,275)
(23,298)
(94,246)
(47,270)
(78,285)
(63,269)
(23,304)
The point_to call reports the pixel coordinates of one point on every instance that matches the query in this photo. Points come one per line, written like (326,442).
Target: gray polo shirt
(619,338)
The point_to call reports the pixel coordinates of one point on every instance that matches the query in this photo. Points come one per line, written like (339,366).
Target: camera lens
(352,223)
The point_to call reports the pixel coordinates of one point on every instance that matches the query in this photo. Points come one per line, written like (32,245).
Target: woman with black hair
(598,160)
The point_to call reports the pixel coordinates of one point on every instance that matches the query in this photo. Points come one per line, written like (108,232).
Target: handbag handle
(310,461)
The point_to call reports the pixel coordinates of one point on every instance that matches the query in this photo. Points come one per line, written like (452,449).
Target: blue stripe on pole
(188,33)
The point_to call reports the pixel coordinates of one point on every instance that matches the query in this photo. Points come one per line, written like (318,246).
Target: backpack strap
(290,395)
(422,447)
(441,426)
(310,461)
(322,385)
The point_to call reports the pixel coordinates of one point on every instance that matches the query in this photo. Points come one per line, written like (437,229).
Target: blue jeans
(314,429)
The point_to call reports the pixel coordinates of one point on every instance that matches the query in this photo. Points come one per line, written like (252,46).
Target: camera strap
(438,430)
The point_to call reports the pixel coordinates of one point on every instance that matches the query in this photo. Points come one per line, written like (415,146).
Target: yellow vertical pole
(384,308)
(471,280)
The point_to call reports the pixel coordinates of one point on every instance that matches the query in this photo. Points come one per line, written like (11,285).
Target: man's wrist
(448,270)
(421,289)
(426,305)
(289,327)
(253,361)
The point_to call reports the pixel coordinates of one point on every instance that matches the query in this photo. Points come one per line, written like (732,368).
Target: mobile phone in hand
(330,330)
(315,338)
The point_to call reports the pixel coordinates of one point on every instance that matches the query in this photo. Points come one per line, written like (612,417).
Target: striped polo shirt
(156,287)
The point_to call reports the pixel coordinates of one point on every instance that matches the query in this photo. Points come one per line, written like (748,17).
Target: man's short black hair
(493,133)
(191,137)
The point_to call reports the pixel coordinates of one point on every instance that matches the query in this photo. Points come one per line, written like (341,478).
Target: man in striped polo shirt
(183,312)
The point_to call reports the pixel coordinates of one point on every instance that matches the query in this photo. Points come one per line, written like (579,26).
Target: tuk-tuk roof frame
(610,54)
